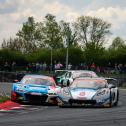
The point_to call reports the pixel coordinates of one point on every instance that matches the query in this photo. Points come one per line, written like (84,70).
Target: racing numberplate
(35,93)
(82,98)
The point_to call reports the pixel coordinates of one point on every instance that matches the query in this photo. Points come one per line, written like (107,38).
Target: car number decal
(82,94)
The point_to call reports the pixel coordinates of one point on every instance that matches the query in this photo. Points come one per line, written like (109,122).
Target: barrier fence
(11,76)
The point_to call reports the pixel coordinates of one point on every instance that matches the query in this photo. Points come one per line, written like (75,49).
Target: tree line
(85,39)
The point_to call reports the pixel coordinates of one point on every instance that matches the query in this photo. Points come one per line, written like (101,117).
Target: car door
(68,78)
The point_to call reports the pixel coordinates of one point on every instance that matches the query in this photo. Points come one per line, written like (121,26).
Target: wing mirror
(15,81)
(63,84)
(68,83)
(111,86)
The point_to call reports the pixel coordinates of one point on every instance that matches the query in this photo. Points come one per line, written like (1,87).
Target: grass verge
(4,98)
(124,87)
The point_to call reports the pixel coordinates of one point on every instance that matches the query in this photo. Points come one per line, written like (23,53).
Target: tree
(9,56)
(91,30)
(93,53)
(29,35)
(52,36)
(75,55)
(68,35)
(39,34)
(117,51)
(15,44)
(117,43)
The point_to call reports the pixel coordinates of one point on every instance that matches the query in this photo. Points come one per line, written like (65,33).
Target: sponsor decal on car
(82,94)
(35,93)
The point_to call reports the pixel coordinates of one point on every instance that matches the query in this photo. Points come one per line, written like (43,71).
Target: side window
(112,81)
(68,75)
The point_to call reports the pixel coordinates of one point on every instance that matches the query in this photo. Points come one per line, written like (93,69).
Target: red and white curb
(9,105)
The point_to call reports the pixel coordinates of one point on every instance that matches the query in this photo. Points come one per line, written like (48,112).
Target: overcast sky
(14,12)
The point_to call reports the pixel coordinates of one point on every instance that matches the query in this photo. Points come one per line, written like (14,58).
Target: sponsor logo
(82,94)
(35,93)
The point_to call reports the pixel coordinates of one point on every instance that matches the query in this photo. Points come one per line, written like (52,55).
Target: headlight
(100,93)
(52,93)
(66,92)
(20,88)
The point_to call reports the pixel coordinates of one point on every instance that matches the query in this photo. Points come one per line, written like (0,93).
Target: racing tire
(60,103)
(62,82)
(68,83)
(116,103)
(110,100)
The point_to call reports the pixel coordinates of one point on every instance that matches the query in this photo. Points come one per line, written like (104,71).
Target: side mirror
(15,81)
(63,84)
(68,83)
(111,86)
(74,78)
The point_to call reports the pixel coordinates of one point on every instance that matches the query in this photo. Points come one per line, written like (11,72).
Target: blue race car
(89,92)
(35,88)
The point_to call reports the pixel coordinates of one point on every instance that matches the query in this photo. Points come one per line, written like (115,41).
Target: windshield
(88,84)
(84,74)
(112,81)
(34,80)
(60,73)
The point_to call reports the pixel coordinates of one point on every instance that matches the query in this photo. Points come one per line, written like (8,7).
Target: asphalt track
(38,115)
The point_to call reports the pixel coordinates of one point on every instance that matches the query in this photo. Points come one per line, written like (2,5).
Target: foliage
(117,51)
(4,98)
(91,30)
(69,36)
(117,43)
(36,40)
(9,56)
(41,55)
(29,36)
(118,55)
(93,53)
(52,37)
(75,55)
(58,55)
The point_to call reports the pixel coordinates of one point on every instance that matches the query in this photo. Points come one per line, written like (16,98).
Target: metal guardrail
(10,76)
(6,76)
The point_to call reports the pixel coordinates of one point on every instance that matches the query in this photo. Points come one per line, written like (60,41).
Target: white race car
(89,91)
(70,75)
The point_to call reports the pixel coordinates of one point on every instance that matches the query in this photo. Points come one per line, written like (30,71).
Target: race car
(35,88)
(70,75)
(59,76)
(89,92)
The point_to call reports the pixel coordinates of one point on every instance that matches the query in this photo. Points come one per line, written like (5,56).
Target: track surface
(36,115)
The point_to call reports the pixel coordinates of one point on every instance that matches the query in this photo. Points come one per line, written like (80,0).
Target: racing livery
(70,75)
(60,76)
(89,91)
(35,88)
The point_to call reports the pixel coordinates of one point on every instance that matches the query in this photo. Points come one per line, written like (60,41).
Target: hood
(83,93)
(58,77)
(33,88)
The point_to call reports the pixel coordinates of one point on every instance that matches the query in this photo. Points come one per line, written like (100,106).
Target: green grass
(122,87)
(4,98)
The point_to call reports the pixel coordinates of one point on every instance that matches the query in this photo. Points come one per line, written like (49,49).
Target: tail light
(13,96)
